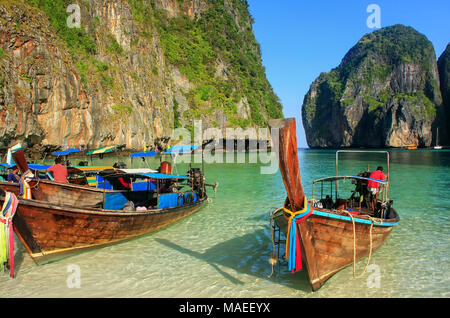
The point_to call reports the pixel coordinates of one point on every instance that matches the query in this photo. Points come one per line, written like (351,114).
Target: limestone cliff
(131,72)
(444,75)
(384,93)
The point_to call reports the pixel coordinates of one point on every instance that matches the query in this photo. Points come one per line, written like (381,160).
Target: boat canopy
(101,150)
(38,167)
(163,176)
(181,149)
(146,175)
(137,171)
(337,178)
(30,165)
(66,152)
(144,154)
(94,168)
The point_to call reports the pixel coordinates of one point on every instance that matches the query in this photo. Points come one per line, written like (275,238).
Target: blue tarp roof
(146,175)
(144,154)
(162,176)
(38,167)
(30,165)
(65,152)
(181,149)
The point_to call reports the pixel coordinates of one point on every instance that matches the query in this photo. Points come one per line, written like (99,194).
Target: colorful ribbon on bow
(7,232)
(25,189)
(293,250)
(9,157)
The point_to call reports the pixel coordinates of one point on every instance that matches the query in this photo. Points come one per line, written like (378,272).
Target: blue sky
(300,39)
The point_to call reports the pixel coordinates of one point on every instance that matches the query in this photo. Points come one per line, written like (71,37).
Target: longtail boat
(49,231)
(76,193)
(61,193)
(80,191)
(153,201)
(329,234)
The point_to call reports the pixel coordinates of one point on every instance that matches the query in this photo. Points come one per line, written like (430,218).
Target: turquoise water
(223,250)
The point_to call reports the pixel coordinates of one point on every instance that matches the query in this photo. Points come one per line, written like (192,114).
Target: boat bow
(330,239)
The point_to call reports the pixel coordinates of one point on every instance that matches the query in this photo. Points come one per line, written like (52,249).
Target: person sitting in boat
(126,181)
(373,186)
(327,203)
(12,175)
(120,165)
(59,171)
(166,187)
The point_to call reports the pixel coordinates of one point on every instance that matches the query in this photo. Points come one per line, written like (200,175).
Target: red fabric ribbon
(298,254)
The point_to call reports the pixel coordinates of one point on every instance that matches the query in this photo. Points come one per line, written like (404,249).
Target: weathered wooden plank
(48,230)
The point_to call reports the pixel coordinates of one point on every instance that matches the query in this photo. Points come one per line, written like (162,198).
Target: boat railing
(367,152)
(336,179)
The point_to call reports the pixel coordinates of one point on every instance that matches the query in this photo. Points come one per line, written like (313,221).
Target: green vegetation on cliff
(397,44)
(377,55)
(196,46)
(76,39)
(385,92)
(81,45)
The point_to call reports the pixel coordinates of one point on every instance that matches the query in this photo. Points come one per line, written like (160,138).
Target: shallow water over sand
(223,250)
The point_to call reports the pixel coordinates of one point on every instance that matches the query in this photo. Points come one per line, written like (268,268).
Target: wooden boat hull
(50,231)
(10,187)
(61,193)
(327,242)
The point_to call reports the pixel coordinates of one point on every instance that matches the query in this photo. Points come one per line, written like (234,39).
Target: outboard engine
(197,180)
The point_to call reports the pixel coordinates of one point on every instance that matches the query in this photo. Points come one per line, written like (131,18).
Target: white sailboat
(437,147)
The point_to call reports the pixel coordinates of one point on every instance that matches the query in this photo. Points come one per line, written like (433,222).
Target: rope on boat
(354,243)
(273,260)
(37,183)
(293,249)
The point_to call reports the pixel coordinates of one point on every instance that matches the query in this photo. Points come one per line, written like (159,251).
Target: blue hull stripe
(347,218)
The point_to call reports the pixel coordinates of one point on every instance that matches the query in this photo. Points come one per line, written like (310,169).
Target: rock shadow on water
(239,254)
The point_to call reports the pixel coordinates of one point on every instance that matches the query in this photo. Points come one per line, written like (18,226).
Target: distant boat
(411,147)
(437,147)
